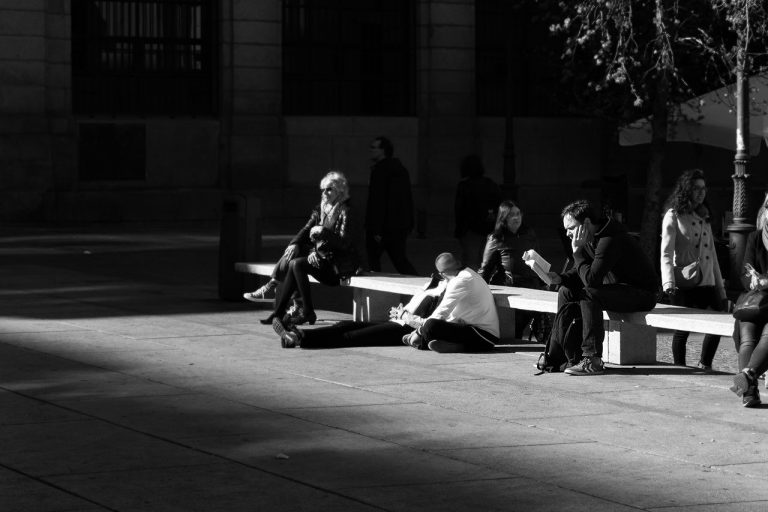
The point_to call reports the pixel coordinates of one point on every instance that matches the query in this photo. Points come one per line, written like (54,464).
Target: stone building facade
(123,111)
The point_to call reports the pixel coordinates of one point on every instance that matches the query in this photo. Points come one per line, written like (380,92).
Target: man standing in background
(389,215)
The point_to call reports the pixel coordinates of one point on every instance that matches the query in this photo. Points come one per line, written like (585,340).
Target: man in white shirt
(465,320)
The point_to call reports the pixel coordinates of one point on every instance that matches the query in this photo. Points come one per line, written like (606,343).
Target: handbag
(688,276)
(751,306)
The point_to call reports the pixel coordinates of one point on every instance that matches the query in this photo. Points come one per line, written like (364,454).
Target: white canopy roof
(710,119)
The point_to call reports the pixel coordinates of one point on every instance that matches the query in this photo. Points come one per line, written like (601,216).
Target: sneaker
(741,383)
(291,339)
(264,294)
(751,398)
(414,340)
(281,331)
(588,366)
(706,368)
(446,347)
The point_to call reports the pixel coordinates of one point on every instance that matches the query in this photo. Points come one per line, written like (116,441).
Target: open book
(537,264)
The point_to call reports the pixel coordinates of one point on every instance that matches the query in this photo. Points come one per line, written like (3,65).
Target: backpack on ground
(563,348)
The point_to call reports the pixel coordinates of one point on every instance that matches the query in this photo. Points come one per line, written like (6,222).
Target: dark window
(144,57)
(348,57)
(518,64)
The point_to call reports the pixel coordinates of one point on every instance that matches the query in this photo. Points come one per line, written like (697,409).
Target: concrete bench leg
(506,320)
(627,343)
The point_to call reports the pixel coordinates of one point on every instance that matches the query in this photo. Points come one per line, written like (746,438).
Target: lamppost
(740,228)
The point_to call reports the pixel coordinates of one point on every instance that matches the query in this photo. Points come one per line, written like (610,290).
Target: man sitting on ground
(465,320)
(610,272)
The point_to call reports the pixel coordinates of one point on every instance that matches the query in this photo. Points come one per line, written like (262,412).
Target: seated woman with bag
(332,254)
(503,262)
(690,272)
(753,349)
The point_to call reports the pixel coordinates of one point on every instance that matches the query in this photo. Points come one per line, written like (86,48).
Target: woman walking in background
(690,273)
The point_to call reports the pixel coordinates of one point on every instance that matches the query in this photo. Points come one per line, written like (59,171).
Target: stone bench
(374,293)
(630,337)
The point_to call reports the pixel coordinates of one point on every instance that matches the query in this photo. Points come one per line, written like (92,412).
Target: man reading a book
(610,272)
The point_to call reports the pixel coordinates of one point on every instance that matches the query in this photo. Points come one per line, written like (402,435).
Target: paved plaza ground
(127,385)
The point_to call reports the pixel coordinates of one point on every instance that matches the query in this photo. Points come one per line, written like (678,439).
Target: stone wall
(27,94)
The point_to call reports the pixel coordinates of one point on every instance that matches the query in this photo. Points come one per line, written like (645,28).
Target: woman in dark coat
(753,349)
(503,258)
(332,254)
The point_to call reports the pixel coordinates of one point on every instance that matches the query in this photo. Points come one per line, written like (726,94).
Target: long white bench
(630,337)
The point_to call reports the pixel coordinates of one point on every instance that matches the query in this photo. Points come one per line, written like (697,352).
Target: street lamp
(740,228)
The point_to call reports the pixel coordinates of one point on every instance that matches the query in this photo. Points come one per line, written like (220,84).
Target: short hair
(451,261)
(582,209)
(472,167)
(386,145)
(338,181)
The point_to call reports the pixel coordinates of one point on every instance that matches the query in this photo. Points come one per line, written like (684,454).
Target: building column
(446,103)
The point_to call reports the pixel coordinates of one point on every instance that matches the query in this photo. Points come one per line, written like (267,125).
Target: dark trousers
(394,245)
(621,298)
(753,351)
(297,278)
(701,297)
(473,339)
(355,334)
(281,267)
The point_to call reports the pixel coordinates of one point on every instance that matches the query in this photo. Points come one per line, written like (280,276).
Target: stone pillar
(446,102)
(251,79)
(25,145)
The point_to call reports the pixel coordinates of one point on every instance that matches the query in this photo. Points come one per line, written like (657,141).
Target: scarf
(329,214)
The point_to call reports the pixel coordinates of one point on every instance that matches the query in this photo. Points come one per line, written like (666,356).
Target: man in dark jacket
(389,215)
(610,272)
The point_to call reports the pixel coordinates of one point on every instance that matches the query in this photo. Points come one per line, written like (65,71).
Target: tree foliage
(645,57)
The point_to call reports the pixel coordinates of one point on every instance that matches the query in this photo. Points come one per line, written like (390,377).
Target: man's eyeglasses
(327,189)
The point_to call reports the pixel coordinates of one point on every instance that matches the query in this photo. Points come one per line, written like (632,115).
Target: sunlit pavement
(126,384)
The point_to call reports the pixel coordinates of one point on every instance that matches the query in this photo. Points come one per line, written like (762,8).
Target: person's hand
(395,312)
(413,321)
(313,260)
(315,232)
(671,291)
(291,251)
(579,239)
(555,278)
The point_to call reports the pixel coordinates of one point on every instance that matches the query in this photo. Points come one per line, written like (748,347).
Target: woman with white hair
(331,253)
